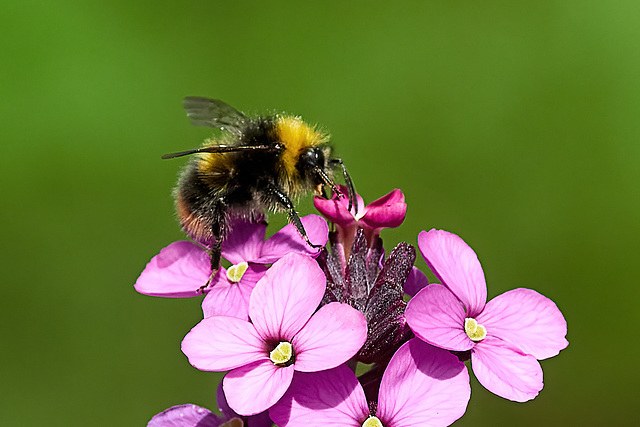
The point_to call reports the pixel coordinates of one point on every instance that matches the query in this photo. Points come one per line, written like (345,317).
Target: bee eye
(319,157)
(314,157)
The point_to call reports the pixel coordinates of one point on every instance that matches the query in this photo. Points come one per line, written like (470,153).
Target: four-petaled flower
(285,334)
(505,336)
(421,386)
(183,268)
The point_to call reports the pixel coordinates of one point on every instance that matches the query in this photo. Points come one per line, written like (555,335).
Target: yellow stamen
(282,354)
(372,422)
(475,331)
(235,272)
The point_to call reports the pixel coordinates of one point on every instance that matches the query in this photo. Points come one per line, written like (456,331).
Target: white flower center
(235,272)
(282,354)
(372,422)
(475,331)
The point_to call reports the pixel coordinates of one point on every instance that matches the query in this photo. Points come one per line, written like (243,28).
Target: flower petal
(528,320)
(226,298)
(260,420)
(188,415)
(423,386)
(331,337)
(436,316)
(328,398)
(221,343)
(179,270)
(415,282)
(336,209)
(244,242)
(504,370)
(457,267)
(223,406)
(289,240)
(256,387)
(286,297)
(386,212)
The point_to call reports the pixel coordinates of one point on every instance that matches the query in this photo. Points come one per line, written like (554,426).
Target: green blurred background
(515,126)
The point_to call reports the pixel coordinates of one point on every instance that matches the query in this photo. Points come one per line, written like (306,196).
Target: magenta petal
(332,336)
(436,316)
(336,209)
(286,297)
(457,267)
(221,343)
(388,211)
(226,298)
(223,406)
(528,320)
(188,415)
(320,399)
(260,420)
(179,270)
(256,387)
(416,281)
(244,241)
(395,197)
(504,370)
(423,386)
(289,240)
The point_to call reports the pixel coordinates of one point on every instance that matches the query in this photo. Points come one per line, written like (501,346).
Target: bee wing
(213,113)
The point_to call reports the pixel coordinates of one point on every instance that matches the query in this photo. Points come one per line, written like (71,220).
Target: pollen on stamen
(372,422)
(235,272)
(282,354)
(475,331)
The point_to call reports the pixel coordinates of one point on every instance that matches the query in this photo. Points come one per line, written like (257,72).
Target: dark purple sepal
(374,287)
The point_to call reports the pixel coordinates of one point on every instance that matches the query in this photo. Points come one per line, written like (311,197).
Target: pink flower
(505,336)
(188,415)
(286,334)
(386,212)
(183,268)
(422,386)
(191,415)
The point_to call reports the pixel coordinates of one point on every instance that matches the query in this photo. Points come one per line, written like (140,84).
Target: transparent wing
(213,113)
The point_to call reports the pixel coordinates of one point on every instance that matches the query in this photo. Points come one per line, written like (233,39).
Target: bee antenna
(221,149)
(181,153)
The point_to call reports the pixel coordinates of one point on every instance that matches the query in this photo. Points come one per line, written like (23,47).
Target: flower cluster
(292,325)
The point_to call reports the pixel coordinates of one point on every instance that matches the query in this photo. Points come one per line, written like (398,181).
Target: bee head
(312,158)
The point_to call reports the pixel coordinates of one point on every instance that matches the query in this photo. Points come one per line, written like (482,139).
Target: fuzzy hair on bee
(253,165)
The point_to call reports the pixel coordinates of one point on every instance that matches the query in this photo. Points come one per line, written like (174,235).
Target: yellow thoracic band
(296,136)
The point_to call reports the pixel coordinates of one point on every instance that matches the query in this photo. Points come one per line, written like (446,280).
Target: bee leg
(215,253)
(349,182)
(283,200)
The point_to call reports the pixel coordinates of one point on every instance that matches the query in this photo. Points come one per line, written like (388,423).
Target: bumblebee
(253,165)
